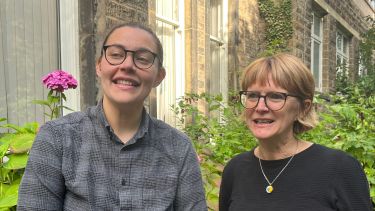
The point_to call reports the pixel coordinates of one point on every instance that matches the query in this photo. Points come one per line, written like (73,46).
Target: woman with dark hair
(284,172)
(115,156)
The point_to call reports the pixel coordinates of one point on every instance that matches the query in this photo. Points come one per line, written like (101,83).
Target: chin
(262,135)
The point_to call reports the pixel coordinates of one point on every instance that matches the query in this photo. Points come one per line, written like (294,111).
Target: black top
(317,178)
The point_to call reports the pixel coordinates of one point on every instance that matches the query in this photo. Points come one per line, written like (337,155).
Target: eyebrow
(138,49)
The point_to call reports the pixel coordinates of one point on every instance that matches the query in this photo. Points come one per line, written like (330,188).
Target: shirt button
(123,182)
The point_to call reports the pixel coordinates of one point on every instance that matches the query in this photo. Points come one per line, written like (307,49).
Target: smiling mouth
(263,121)
(126,82)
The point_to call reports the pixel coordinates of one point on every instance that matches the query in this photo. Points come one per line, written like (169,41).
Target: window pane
(167,9)
(316,25)
(214,80)
(316,62)
(215,17)
(345,46)
(339,42)
(338,60)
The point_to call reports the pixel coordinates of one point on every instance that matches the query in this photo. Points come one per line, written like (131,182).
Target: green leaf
(7,138)
(12,126)
(9,200)
(3,150)
(22,142)
(16,161)
(63,96)
(9,194)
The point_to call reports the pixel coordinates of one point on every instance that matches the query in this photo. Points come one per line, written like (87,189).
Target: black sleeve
(352,186)
(225,188)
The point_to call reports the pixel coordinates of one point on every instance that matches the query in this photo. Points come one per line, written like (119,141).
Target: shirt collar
(142,130)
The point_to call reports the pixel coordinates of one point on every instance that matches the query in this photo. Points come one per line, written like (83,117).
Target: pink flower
(59,81)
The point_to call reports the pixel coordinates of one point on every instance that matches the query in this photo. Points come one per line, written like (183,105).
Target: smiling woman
(284,172)
(115,156)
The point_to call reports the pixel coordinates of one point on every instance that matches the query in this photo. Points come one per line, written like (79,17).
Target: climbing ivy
(278,19)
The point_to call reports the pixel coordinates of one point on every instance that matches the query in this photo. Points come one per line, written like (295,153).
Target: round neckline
(283,159)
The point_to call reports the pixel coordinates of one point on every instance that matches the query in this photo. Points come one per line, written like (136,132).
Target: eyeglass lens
(116,55)
(273,100)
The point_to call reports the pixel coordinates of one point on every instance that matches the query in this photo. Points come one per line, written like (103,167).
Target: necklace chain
(269,188)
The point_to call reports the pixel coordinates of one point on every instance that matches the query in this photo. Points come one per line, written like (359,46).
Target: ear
(307,104)
(98,70)
(159,77)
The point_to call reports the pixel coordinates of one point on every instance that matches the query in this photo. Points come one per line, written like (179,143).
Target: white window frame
(317,39)
(342,51)
(222,41)
(175,73)
(69,50)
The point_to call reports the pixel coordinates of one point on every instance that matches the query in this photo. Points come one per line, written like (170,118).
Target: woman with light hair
(284,172)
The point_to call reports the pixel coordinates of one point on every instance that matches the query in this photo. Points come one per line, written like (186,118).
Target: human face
(125,83)
(266,124)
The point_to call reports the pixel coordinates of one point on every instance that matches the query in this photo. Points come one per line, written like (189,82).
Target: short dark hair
(143,27)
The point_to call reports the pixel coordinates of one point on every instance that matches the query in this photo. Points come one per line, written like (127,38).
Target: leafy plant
(217,138)
(278,19)
(366,48)
(14,149)
(345,124)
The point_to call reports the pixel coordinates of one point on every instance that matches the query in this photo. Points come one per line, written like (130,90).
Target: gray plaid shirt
(78,163)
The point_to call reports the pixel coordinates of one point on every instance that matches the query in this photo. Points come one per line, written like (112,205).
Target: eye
(144,57)
(275,96)
(252,96)
(115,52)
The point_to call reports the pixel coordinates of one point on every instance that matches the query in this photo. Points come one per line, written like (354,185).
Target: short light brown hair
(291,74)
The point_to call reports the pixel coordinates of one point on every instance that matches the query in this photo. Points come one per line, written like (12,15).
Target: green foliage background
(344,125)
(14,148)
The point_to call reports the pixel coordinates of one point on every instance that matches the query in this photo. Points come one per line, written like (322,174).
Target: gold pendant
(269,189)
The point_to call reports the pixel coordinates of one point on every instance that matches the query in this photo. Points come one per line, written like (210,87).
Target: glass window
(316,25)
(316,50)
(217,70)
(169,30)
(342,51)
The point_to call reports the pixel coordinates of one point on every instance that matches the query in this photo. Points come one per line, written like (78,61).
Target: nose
(128,62)
(261,106)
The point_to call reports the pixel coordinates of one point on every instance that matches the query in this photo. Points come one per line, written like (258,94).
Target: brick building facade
(336,21)
(207,44)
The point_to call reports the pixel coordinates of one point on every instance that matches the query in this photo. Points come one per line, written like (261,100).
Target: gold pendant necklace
(269,188)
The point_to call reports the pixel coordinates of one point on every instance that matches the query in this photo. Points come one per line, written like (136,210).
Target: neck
(124,120)
(269,150)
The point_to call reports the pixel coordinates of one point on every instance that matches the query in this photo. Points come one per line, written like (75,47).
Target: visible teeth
(125,82)
(263,121)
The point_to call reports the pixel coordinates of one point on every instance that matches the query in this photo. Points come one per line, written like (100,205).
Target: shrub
(345,124)
(14,147)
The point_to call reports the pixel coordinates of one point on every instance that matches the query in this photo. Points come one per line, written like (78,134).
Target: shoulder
(337,162)
(238,168)
(334,155)
(73,124)
(71,120)
(159,128)
(169,140)
(239,161)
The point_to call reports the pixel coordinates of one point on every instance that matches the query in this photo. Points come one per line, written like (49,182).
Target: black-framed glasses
(273,100)
(116,54)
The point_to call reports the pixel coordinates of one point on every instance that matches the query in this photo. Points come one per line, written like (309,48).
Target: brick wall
(196,47)
(245,38)
(300,43)
(336,15)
